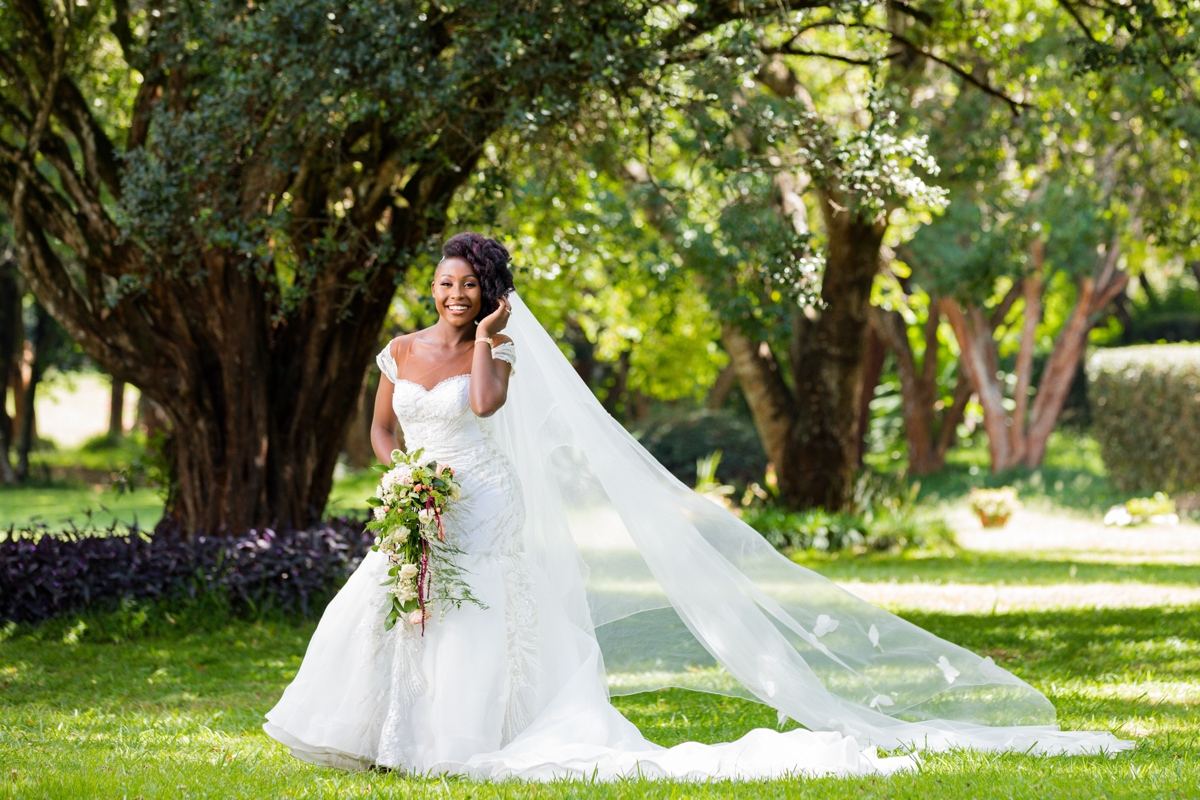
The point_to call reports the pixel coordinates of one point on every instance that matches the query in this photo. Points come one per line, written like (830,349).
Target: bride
(602,574)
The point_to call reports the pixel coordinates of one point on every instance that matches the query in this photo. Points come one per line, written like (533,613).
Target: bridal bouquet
(407,520)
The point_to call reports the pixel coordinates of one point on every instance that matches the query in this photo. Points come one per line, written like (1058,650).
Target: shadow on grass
(181,711)
(242,667)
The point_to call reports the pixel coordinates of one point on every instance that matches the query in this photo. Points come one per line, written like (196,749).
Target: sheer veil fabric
(679,592)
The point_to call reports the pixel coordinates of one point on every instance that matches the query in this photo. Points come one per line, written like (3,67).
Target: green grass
(968,567)
(61,501)
(350,491)
(178,715)
(56,504)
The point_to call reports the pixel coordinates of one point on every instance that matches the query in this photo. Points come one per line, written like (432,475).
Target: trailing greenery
(1146,403)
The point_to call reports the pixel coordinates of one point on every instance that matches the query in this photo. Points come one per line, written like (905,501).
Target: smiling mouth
(457,308)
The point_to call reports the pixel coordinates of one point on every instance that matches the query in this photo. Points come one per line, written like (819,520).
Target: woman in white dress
(601,573)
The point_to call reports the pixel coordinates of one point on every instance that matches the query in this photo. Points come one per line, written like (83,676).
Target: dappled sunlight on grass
(178,716)
(58,506)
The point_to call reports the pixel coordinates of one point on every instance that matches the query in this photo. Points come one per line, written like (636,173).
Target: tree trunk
(10,335)
(1059,373)
(258,416)
(768,396)
(1031,317)
(872,371)
(916,397)
(977,358)
(826,363)
(27,437)
(116,410)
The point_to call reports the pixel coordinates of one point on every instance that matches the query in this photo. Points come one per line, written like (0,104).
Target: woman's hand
(494,322)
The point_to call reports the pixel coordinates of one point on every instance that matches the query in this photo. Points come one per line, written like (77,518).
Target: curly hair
(489,259)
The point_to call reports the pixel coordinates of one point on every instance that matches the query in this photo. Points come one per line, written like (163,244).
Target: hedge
(1146,416)
(47,574)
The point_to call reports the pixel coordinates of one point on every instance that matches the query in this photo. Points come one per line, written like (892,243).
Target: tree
(218,199)
(1048,213)
(721,171)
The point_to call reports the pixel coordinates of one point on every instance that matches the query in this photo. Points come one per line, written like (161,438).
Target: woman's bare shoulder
(500,339)
(403,340)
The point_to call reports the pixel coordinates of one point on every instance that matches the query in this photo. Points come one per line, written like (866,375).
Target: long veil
(679,592)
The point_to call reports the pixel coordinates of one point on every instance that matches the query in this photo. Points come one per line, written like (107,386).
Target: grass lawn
(177,715)
(1008,568)
(86,486)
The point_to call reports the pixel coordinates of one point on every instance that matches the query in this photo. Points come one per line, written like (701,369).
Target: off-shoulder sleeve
(387,364)
(506,352)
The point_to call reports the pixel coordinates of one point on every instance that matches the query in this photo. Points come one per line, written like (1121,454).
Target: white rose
(408,573)
(403,592)
(379,513)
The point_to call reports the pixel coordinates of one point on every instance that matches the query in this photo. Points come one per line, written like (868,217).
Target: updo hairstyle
(490,261)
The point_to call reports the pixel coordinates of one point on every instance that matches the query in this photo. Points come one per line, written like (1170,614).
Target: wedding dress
(602,574)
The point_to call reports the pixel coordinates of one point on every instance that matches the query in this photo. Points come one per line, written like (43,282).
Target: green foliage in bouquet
(1146,416)
(407,511)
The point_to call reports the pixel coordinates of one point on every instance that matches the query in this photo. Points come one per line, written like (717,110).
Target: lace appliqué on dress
(520,618)
(387,364)
(507,353)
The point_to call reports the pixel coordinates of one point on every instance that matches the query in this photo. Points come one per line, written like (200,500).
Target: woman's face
(456,292)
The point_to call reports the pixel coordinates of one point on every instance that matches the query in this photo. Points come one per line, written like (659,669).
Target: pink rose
(416,618)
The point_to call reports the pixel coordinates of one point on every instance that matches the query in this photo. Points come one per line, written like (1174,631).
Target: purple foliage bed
(47,574)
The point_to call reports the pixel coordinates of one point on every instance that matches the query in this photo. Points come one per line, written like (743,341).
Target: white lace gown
(510,691)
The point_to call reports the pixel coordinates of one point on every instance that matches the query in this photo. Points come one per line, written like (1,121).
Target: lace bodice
(440,420)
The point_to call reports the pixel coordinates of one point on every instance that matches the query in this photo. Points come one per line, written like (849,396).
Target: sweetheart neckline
(436,385)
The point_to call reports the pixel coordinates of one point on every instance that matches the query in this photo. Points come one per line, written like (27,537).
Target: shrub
(43,574)
(1146,416)
(679,440)
(885,517)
